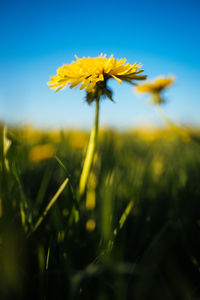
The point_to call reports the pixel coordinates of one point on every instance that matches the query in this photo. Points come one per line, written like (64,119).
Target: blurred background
(139,229)
(37,37)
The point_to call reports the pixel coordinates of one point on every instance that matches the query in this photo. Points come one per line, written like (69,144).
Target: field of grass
(138,235)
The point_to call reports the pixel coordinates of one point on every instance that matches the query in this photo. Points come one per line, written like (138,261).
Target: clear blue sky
(39,36)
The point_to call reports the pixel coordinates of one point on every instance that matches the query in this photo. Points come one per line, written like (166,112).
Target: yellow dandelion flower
(155,87)
(41,152)
(93,73)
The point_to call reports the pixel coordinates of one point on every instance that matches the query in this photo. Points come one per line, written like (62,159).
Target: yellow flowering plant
(155,88)
(92,74)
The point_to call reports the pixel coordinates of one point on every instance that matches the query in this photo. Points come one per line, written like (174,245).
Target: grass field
(138,235)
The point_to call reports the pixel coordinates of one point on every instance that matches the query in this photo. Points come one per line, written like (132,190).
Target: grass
(139,228)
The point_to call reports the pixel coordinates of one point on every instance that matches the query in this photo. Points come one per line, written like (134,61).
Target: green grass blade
(48,207)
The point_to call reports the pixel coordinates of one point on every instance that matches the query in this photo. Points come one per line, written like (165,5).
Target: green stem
(90,154)
(184,133)
(164,117)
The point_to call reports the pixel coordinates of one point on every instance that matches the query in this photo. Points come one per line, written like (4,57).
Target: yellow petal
(118,80)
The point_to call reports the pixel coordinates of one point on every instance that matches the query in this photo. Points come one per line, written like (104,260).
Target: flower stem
(164,117)
(90,154)
(181,131)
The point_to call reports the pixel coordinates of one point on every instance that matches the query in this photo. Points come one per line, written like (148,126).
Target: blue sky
(39,36)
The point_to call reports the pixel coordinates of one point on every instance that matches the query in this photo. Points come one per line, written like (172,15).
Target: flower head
(155,88)
(93,73)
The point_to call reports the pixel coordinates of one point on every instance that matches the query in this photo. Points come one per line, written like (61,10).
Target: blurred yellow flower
(157,165)
(93,73)
(41,152)
(155,87)
(31,134)
(54,135)
(90,225)
(77,139)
